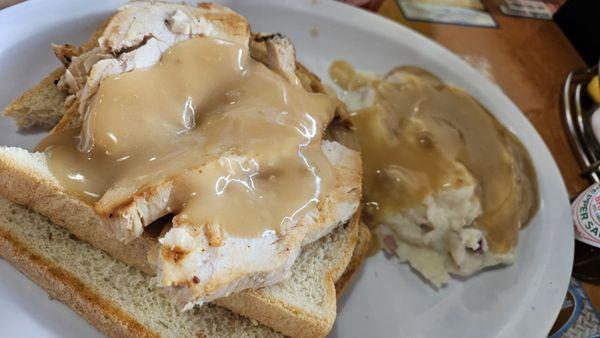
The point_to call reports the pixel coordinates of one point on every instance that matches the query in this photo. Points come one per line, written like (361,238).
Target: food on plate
(446,186)
(193,150)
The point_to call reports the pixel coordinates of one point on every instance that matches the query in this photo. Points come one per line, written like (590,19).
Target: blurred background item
(372,5)
(538,9)
(580,22)
(581,108)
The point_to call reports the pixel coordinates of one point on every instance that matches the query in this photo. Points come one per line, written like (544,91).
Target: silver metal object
(577,113)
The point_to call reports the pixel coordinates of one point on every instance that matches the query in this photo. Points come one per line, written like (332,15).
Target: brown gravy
(241,142)
(419,135)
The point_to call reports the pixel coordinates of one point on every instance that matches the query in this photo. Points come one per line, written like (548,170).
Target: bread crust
(360,253)
(32,108)
(63,286)
(44,195)
(107,316)
(289,319)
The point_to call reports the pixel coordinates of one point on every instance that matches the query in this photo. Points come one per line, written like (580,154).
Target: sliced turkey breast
(242,167)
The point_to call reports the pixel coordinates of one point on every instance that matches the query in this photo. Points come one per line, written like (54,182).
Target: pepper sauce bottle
(586,216)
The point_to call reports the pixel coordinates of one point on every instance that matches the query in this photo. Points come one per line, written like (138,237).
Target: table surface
(529,60)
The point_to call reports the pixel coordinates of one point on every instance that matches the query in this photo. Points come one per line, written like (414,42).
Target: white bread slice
(361,251)
(121,301)
(25,179)
(288,307)
(305,315)
(42,105)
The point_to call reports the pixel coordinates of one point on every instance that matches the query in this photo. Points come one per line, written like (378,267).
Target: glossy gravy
(419,135)
(241,144)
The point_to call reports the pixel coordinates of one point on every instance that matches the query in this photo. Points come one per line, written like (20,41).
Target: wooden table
(6,3)
(530,59)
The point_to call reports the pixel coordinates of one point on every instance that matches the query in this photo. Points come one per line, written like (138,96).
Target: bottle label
(586,216)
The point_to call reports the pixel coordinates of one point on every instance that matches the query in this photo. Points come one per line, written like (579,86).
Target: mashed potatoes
(447,188)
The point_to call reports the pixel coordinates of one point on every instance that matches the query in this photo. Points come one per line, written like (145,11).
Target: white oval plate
(386,299)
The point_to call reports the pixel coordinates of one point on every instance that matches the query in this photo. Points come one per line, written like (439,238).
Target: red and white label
(586,216)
